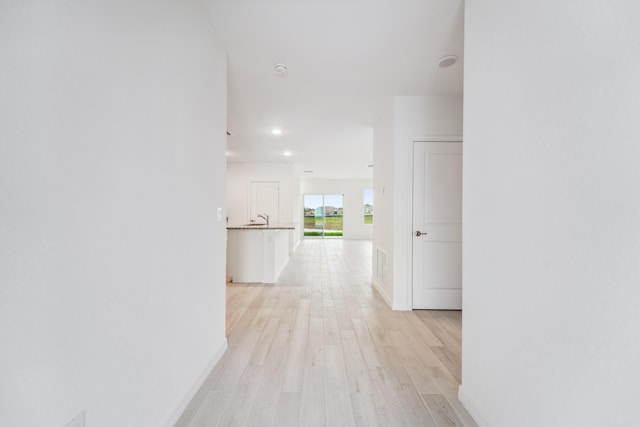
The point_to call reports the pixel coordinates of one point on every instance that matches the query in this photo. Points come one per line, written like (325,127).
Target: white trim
(182,406)
(401,307)
(409,210)
(471,407)
(378,287)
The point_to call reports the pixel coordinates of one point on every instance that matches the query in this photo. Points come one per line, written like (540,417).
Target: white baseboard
(471,408)
(380,289)
(182,406)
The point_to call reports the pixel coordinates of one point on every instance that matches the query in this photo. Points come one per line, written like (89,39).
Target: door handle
(420,233)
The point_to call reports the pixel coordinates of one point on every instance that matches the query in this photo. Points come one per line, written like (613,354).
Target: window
(368,206)
(323,215)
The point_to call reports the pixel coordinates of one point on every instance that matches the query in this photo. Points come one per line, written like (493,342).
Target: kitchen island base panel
(257,255)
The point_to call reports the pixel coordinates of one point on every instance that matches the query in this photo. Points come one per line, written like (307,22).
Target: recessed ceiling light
(447,61)
(281,69)
(287,153)
(276,131)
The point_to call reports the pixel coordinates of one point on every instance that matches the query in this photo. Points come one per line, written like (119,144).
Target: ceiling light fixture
(281,69)
(276,131)
(447,61)
(287,153)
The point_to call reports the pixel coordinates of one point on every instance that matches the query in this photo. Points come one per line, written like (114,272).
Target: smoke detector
(447,61)
(281,69)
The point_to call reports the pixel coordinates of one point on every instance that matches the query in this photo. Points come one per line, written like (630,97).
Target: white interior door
(437,225)
(265,199)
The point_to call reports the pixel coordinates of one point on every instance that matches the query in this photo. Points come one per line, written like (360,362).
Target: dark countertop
(262,227)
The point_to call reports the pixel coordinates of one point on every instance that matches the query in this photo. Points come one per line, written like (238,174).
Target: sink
(253,224)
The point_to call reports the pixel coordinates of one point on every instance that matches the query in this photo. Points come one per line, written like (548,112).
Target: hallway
(321,348)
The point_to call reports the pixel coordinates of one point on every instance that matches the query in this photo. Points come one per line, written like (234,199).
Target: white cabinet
(257,255)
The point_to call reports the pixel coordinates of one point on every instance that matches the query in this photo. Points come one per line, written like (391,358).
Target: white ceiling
(346,60)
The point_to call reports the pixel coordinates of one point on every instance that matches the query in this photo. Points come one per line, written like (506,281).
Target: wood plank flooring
(321,348)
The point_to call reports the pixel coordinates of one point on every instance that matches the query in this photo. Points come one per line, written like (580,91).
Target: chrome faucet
(265,217)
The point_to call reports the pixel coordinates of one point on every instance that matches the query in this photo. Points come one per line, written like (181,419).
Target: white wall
(413,116)
(239,178)
(353,225)
(297,207)
(383,153)
(551,213)
(112,121)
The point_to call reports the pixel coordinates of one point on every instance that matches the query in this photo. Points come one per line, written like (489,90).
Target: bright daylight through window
(368,206)
(323,215)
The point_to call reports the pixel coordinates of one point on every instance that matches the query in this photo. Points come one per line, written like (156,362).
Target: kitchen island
(257,253)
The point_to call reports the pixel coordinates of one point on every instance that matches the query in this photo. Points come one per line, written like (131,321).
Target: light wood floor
(321,348)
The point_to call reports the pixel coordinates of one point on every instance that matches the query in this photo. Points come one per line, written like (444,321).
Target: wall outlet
(77,421)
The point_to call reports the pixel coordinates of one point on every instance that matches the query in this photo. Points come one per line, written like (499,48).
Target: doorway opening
(323,215)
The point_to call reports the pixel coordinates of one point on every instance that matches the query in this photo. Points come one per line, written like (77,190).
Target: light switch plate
(219,215)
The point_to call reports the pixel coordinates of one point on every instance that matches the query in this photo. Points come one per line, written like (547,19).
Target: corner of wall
(189,399)
(380,289)
(471,407)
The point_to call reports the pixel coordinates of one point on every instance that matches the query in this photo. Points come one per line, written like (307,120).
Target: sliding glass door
(323,215)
